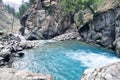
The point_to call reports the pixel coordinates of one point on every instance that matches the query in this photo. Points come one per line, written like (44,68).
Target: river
(65,60)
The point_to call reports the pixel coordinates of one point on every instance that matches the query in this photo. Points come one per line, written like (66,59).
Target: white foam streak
(92,59)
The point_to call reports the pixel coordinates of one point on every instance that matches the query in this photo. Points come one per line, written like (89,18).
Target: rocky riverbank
(11,47)
(11,74)
(109,72)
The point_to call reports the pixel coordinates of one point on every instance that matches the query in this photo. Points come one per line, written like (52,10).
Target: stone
(108,72)
(11,74)
(6,73)
(27,75)
(19,54)
(67,36)
(117,46)
(76,16)
(26,44)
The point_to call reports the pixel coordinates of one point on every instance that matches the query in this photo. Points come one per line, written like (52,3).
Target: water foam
(90,59)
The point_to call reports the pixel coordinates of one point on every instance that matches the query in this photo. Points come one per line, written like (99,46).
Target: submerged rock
(109,72)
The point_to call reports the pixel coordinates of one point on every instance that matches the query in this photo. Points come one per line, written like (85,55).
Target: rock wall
(104,29)
(44,20)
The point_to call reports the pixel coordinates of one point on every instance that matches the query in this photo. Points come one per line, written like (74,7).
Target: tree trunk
(12,24)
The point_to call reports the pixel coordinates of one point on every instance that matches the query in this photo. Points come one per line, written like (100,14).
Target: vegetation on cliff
(71,5)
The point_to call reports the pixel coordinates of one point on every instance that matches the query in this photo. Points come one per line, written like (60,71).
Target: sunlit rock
(109,72)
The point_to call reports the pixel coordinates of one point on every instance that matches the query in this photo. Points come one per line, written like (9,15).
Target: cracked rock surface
(109,72)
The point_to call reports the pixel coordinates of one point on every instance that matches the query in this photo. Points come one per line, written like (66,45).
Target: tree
(31,2)
(10,9)
(81,6)
(71,5)
(23,8)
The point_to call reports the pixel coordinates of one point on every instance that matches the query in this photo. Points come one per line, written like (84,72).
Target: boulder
(11,74)
(67,36)
(109,72)
(27,44)
(6,73)
(27,75)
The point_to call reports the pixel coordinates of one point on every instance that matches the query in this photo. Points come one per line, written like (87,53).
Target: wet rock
(67,36)
(27,44)
(19,54)
(101,30)
(109,72)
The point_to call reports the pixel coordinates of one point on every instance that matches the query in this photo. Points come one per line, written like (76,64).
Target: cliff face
(6,20)
(46,19)
(103,29)
(43,22)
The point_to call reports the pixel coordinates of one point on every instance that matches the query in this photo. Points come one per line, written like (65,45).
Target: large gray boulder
(109,72)
(11,74)
(27,75)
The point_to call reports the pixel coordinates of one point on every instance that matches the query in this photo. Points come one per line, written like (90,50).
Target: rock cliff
(104,28)
(46,19)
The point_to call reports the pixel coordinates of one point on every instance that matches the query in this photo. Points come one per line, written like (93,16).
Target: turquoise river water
(65,60)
